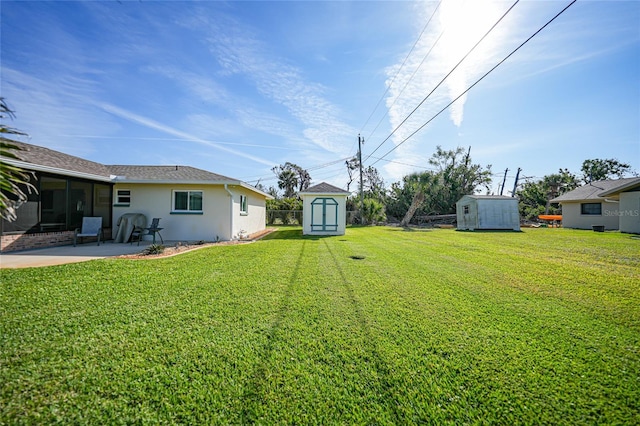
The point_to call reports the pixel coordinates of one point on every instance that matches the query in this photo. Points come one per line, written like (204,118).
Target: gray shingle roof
(630,184)
(166,174)
(591,191)
(324,188)
(46,157)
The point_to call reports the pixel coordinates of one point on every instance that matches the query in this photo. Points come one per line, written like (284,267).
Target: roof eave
(55,170)
(620,188)
(125,180)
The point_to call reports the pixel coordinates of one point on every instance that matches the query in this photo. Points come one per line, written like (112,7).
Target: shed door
(324,214)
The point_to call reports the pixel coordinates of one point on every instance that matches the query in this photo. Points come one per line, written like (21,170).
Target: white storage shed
(488,212)
(324,210)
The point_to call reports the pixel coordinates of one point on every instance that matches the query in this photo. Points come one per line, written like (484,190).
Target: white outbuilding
(324,210)
(488,212)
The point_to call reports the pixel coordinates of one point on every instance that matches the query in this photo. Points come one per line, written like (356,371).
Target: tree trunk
(418,199)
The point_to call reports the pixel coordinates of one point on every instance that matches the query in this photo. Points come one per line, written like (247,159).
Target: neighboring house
(614,204)
(490,212)
(324,210)
(193,204)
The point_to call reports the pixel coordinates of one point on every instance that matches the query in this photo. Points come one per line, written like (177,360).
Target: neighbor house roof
(629,185)
(324,188)
(38,158)
(593,190)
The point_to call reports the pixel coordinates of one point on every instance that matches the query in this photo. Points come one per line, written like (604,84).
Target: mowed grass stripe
(430,326)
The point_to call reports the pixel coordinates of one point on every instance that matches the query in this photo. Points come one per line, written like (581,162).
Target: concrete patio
(67,254)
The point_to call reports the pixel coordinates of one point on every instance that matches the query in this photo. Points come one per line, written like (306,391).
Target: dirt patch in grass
(183,247)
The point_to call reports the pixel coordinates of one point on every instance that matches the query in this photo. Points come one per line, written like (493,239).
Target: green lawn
(431,326)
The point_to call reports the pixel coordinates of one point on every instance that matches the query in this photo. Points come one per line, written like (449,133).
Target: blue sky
(239,87)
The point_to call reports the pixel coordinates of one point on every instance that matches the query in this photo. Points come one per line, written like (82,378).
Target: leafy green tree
(532,200)
(13,180)
(535,197)
(557,184)
(283,209)
(437,191)
(292,178)
(597,169)
(373,184)
(373,211)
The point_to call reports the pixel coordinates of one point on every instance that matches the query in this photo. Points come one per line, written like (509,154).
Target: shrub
(153,249)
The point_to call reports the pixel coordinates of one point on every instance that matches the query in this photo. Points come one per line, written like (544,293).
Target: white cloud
(48,109)
(152,124)
(454,31)
(239,51)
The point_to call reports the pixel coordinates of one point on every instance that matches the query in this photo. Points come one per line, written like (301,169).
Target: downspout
(226,188)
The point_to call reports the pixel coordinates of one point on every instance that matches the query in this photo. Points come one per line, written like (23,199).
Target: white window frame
(119,197)
(189,192)
(244,205)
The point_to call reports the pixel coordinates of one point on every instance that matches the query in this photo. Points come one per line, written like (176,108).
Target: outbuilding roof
(488,197)
(324,188)
(593,190)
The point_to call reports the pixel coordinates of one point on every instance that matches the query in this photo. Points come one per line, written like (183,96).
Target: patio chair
(153,229)
(91,227)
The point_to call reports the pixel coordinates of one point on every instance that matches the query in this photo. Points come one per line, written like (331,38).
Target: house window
(187,201)
(244,208)
(466,209)
(591,209)
(123,197)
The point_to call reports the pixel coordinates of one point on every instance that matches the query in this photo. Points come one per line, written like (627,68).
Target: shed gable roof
(324,188)
(592,191)
(489,197)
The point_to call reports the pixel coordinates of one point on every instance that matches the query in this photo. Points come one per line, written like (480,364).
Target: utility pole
(515,184)
(360,143)
(503,181)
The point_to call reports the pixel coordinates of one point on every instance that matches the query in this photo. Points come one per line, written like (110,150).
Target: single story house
(490,212)
(193,204)
(324,210)
(612,204)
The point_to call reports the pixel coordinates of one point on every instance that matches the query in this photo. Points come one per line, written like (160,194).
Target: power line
(401,66)
(478,80)
(312,168)
(406,84)
(445,77)
(404,164)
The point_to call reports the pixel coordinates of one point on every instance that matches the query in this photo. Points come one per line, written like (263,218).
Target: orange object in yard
(550,216)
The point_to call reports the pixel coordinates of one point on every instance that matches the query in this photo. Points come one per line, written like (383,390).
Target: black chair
(151,230)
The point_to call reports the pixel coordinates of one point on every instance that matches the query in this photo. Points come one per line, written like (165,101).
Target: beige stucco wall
(255,218)
(307,199)
(629,212)
(572,218)
(215,222)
